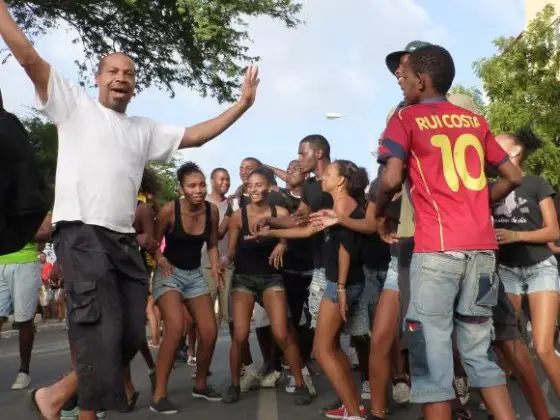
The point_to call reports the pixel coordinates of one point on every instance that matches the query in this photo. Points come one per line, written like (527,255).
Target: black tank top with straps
(251,257)
(182,249)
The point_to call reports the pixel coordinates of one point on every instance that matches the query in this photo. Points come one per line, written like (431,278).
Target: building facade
(532,7)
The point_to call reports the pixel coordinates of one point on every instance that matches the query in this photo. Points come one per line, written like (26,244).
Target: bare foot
(44,406)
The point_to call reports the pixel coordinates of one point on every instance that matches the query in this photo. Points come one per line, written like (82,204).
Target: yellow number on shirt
(454,161)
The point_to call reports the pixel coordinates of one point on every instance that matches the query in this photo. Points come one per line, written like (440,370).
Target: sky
(334,62)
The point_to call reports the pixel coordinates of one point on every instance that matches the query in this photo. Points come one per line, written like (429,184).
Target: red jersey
(444,148)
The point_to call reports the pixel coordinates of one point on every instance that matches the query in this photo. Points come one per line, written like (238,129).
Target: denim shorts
(257,284)
(19,290)
(357,324)
(190,283)
(316,292)
(451,292)
(540,277)
(392,277)
(372,290)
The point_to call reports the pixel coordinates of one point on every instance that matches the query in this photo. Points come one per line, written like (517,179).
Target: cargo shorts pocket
(417,352)
(85,306)
(487,295)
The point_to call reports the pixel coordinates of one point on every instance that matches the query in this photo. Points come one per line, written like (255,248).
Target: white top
(223,243)
(101,156)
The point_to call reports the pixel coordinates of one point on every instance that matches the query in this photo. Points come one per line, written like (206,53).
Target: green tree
(196,43)
(166,173)
(522,86)
(44,142)
(474,93)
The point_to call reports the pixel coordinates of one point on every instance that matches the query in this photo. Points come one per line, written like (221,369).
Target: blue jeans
(540,277)
(451,292)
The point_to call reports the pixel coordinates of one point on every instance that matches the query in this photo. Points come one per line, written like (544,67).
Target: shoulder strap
(208,218)
(178,225)
(244,219)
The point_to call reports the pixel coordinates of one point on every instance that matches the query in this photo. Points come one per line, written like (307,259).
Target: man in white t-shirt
(101,157)
(220,181)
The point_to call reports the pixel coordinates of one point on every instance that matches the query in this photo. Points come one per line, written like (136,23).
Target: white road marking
(267,405)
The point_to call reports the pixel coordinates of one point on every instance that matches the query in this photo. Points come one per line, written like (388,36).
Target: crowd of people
(424,268)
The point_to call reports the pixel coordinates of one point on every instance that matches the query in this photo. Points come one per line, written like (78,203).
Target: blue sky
(333,63)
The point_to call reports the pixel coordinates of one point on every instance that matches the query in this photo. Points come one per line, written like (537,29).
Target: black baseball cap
(393,59)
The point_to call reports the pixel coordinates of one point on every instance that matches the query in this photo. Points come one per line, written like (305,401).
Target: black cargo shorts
(107,291)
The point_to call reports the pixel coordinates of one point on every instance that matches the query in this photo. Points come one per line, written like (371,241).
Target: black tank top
(182,249)
(251,257)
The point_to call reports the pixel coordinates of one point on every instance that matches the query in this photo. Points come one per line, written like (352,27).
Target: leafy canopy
(201,44)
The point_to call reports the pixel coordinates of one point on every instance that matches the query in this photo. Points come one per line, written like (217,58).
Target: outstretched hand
(250,85)
(323,219)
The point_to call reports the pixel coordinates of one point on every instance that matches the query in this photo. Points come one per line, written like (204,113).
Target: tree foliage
(44,141)
(522,86)
(166,173)
(201,44)
(474,93)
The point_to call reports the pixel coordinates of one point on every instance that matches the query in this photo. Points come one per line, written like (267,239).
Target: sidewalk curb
(55,326)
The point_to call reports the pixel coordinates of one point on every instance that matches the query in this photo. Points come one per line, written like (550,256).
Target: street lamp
(373,144)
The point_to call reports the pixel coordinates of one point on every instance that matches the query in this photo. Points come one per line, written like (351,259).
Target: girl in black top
(257,277)
(342,254)
(525,222)
(187,224)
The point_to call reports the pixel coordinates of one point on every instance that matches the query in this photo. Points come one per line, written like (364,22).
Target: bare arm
(199,134)
(27,56)
(144,220)
(295,220)
(213,254)
(293,233)
(367,226)
(233,235)
(390,183)
(45,231)
(510,179)
(223,228)
(549,232)
(554,248)
(343,266)
(283,175)
(163,220)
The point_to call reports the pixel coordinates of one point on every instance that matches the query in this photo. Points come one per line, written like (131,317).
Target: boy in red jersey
(444,148)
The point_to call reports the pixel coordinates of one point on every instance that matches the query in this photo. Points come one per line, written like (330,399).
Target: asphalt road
(51,359)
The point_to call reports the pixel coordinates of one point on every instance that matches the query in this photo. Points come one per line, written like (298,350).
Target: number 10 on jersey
(455,162)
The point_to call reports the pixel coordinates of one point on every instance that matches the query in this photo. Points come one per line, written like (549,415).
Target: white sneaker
(250,380)
(191,361)
(271,380)
(462,388)
(482,407)
(401,393)
(307,379)
(291,387)
(23,380)
(366,393)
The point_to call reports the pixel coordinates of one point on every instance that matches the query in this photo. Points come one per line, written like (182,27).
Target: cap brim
(393,60)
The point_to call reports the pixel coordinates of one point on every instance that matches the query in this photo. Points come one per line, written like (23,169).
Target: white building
(532,7)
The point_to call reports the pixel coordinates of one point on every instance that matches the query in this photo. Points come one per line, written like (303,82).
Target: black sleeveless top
(251,257)
(182,249)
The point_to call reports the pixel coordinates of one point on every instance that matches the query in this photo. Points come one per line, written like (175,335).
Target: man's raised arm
(27,56)
(199,134)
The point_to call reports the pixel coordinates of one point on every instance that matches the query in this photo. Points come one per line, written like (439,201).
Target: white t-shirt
(223,243)
(101,156)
